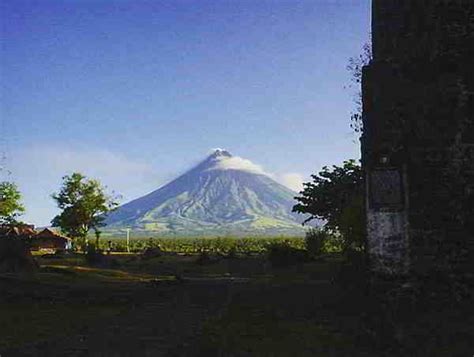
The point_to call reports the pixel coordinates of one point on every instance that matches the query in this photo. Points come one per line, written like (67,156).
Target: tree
(10,205)
(84,206)
(336,196)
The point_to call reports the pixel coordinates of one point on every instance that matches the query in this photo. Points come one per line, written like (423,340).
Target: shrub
(152,252)
(282,254)
(93,255)
(315,241)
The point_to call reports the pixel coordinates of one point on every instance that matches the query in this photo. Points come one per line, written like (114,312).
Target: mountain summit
(220,153)
(223,194)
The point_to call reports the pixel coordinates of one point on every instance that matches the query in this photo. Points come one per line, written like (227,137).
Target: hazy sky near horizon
(135,92)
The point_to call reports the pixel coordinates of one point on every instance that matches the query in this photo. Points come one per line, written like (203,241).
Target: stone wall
(418,113)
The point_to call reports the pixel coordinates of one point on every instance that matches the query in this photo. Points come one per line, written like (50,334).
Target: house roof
(48,233)
(17,230)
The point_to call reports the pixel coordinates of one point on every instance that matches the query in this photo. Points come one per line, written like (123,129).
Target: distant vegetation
(229,245)
(10,203)
(189,245)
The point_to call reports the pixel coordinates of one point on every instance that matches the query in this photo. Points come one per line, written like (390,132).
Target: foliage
(93,255)
(10,205)
(336,196)
(335,242)
(80,244)
(225,246)
(152,252)
(351,222)
(84,206)
(315,241)
(355,67)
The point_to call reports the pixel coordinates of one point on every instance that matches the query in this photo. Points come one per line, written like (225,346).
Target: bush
(93,255)
(315,242)
(281,254)
(152,252)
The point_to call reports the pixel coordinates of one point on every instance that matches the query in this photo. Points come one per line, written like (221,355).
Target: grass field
(179,304)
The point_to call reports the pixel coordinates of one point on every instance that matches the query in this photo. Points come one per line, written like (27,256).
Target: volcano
(222,195)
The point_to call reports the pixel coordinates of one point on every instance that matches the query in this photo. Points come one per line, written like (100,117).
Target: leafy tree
(10,205)
(84,206)
(336,196)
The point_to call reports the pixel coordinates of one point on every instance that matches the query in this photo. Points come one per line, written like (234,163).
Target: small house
(49,239)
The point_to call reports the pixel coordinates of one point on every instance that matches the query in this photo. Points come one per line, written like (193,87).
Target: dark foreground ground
(176,306)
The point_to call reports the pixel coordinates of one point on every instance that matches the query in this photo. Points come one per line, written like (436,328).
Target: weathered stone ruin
(418,139)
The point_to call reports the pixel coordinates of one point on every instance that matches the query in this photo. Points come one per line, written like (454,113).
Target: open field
(223,305)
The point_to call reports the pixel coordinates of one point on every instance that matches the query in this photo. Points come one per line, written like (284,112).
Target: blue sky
(135,92)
